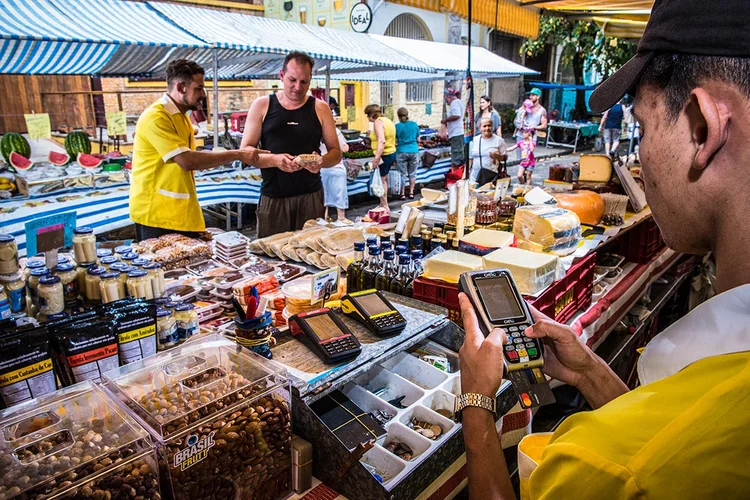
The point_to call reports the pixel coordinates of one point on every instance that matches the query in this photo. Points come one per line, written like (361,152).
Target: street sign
(360,18)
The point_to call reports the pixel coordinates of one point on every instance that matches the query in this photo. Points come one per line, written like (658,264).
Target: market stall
(567,134)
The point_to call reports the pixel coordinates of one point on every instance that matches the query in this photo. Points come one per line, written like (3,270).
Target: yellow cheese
(547,228)
(488,238)
(595,168)
(533,272)
(449,265)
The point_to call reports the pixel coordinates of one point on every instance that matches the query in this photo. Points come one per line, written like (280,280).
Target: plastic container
(51,297)
(15,289)
(33,283)
(84,245)
(92,290)
(642,243)
(139,285)
(69,279)
(8,254)
(111,287)
(415,371)
(219,415)
(388,386)
(187,321)
(166,329)
(156,278)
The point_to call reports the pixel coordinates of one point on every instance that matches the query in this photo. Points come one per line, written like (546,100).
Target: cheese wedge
(532,272)
(483,241)
(547,228)
(595,168)
(449,265)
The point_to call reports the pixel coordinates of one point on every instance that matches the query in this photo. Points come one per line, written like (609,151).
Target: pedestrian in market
(407,151)
(287,124)
(487,150)
(534,118)
(383,140)
(486,110)
(526,148)
(454,122)
(611,126)
(684,433)
(334,182)
(163,198)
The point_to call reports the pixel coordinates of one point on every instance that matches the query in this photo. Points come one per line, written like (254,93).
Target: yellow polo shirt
(686,436)
(161,193)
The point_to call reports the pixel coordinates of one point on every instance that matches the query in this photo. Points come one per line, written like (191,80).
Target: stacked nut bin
(220,417)
(75,444)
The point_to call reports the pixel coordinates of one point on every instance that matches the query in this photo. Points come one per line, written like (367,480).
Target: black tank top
(295,132)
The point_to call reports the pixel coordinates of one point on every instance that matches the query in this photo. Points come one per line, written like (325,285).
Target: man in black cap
(685,432)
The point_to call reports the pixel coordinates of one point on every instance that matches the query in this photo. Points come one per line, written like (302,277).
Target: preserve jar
(107,261)
(139,284)
(84,245)
(33,283)
(166,329)
(93,278)
(122,250)
(81,271)
(139,262)
(8,254)
(32,264)
(103,252)
(4,304)
(69,280)
(15,289)
(156,277)
(110,287)
(51,299)
(187,322)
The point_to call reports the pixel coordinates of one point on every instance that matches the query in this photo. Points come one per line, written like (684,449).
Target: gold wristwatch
(473,399)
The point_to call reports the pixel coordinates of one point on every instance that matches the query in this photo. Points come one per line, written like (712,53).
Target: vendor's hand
(286,163)
(566,357)
(314,167)
(249,154)
(481,358)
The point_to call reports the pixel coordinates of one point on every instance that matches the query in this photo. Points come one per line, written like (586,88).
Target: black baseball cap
(695,27)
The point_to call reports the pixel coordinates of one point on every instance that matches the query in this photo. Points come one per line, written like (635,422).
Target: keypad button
(532,352)
(530,344)
(518,341)
(513,329)
(509,347)
(513,355)
(522,353)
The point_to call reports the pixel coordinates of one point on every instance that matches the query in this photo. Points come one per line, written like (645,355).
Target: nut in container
(220,416)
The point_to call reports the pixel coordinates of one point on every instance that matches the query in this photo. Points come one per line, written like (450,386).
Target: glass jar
(172,305)
(4,304)
(61,259)
(69,279)
(122,250)
(84,245)
(124,270)
(51,299)
(30,265)
(111,288)
(128,258)
(8,254)
(93,292)
(139,284)
(15,289)
(156,276)
(166,329)
(33,284)
(103,252)
(139,262)
(187,322)
(107,261)
(81,271)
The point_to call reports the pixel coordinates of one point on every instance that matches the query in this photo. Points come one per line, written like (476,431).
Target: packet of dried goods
(26,367)
(85,350)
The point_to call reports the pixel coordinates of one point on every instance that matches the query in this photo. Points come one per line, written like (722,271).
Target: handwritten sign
(38,126)
(50,233)
(116,123)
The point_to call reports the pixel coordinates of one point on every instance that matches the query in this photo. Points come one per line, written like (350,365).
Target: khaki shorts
(278,215)
(612,134)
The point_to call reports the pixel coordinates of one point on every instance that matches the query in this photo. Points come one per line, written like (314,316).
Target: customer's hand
(286,163)
(481,358)
(249,154)
(566,357)
(375,162)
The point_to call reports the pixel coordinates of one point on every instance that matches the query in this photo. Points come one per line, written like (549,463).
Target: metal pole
(216,97)
(328,81)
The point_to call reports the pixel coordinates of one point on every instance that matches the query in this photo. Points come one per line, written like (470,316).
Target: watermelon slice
(114,154)
(59,159)
(88,161)
(20,162)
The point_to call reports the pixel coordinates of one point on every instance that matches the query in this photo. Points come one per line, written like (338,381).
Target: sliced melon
(88,161)
(59,159)
(20,162)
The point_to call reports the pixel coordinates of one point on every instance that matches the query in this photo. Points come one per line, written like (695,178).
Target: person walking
(526,149)
(487,149)
(335,194)
(454,122)
(486,110)
(534,118)
(383,140)
(407,151)
(611,125)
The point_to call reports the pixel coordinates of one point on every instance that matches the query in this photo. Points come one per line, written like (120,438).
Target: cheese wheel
(589,206)
(547,228)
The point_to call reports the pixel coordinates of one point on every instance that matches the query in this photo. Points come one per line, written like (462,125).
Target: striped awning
(620,18)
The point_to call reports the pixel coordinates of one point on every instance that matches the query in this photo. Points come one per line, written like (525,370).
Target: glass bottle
(401,249)
(416,266)
(385,244)
(389,271)
(371,270)
(354,271)
(402,283)
(426,241)
(415,242)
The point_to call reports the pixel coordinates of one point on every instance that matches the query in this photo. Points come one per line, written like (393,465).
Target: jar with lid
(139,284)
(156,276)
(128,258)
(110,287)
(8,254)
(122,250)
(30,265)
(69,280)
(51,299)
(187,322)
(4,304)
(15,289)
(81,271)
(103,252)
(139,262)
(84,245)
(62,259)
(33,284)
(123,270)
(93,291)
(171,305)
(107,261)
(166,329)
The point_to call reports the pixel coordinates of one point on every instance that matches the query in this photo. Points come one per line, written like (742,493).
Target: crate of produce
(642,243)
(439,293)
(569,294)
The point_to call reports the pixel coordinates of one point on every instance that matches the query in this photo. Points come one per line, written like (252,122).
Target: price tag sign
(38,126)
(116,123)
(501,188)
(50,233)
(325,282)
(360,18)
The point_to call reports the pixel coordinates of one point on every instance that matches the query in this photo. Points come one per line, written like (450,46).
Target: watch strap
(477,400)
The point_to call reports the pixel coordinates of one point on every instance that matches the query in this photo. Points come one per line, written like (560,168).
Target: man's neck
(183,109)
(732,264)
(288,103)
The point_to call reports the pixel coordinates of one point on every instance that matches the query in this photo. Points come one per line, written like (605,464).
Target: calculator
(373,310)
(325,334)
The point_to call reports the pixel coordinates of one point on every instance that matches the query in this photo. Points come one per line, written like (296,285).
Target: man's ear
(182,87)
(708,121)
(281,74)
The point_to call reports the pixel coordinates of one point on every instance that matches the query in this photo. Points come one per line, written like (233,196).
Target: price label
(50,233)
(360,18)
(324,283)
(116,123)
(38,126)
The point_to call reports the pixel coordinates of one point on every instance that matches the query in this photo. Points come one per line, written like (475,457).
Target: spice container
(187,321)
(111,288)
(33,283)
(75,443)
(166,329)
(92,291)
(69,280)
(233,406)
(15,289)
(107,261)
(156,277)
(139,284)
(8,254)
(81,272)
(84,245)
(51,298)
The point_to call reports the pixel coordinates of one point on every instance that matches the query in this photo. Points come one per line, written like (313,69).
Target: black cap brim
(623,81)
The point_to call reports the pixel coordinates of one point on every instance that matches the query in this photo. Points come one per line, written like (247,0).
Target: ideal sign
(360,18)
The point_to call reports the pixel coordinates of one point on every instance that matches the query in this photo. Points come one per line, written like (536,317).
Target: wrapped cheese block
(344,259)
(301,238)
(588,205)
(484,241)
(340,240)
(532,271)
(449,265)
(547,228)
(262,245)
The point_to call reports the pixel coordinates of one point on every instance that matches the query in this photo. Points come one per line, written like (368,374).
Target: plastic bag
(376,184)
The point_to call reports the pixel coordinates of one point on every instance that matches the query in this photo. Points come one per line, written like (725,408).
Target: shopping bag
(530,451)
(455,174)
(395,183)
(429,159)
(598,144)
(376,184)
(353,168)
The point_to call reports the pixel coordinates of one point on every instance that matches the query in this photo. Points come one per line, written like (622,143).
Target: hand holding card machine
(372,309)
(325,334)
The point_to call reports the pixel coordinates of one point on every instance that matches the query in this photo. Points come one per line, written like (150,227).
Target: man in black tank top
(288,124)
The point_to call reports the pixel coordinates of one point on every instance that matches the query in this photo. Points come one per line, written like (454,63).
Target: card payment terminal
(372,309)
(325,334)
(498,304)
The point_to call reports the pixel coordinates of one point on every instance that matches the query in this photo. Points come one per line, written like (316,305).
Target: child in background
(528,161)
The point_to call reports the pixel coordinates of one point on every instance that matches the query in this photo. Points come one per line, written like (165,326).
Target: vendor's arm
(330,138)
(380,137)
(203,160)
(251,137)
(543,123)
(451,119)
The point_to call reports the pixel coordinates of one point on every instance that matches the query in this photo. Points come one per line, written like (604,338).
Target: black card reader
(325,334)
(373,310)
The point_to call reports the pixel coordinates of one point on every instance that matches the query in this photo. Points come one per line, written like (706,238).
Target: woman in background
(334,182)
(486,110)
(383,139)
(407,151)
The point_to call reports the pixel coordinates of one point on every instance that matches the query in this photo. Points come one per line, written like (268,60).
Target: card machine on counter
(325,334)
(372,309)
(498,304)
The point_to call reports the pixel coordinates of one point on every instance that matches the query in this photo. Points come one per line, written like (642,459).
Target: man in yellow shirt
(162,186)
(685,432)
